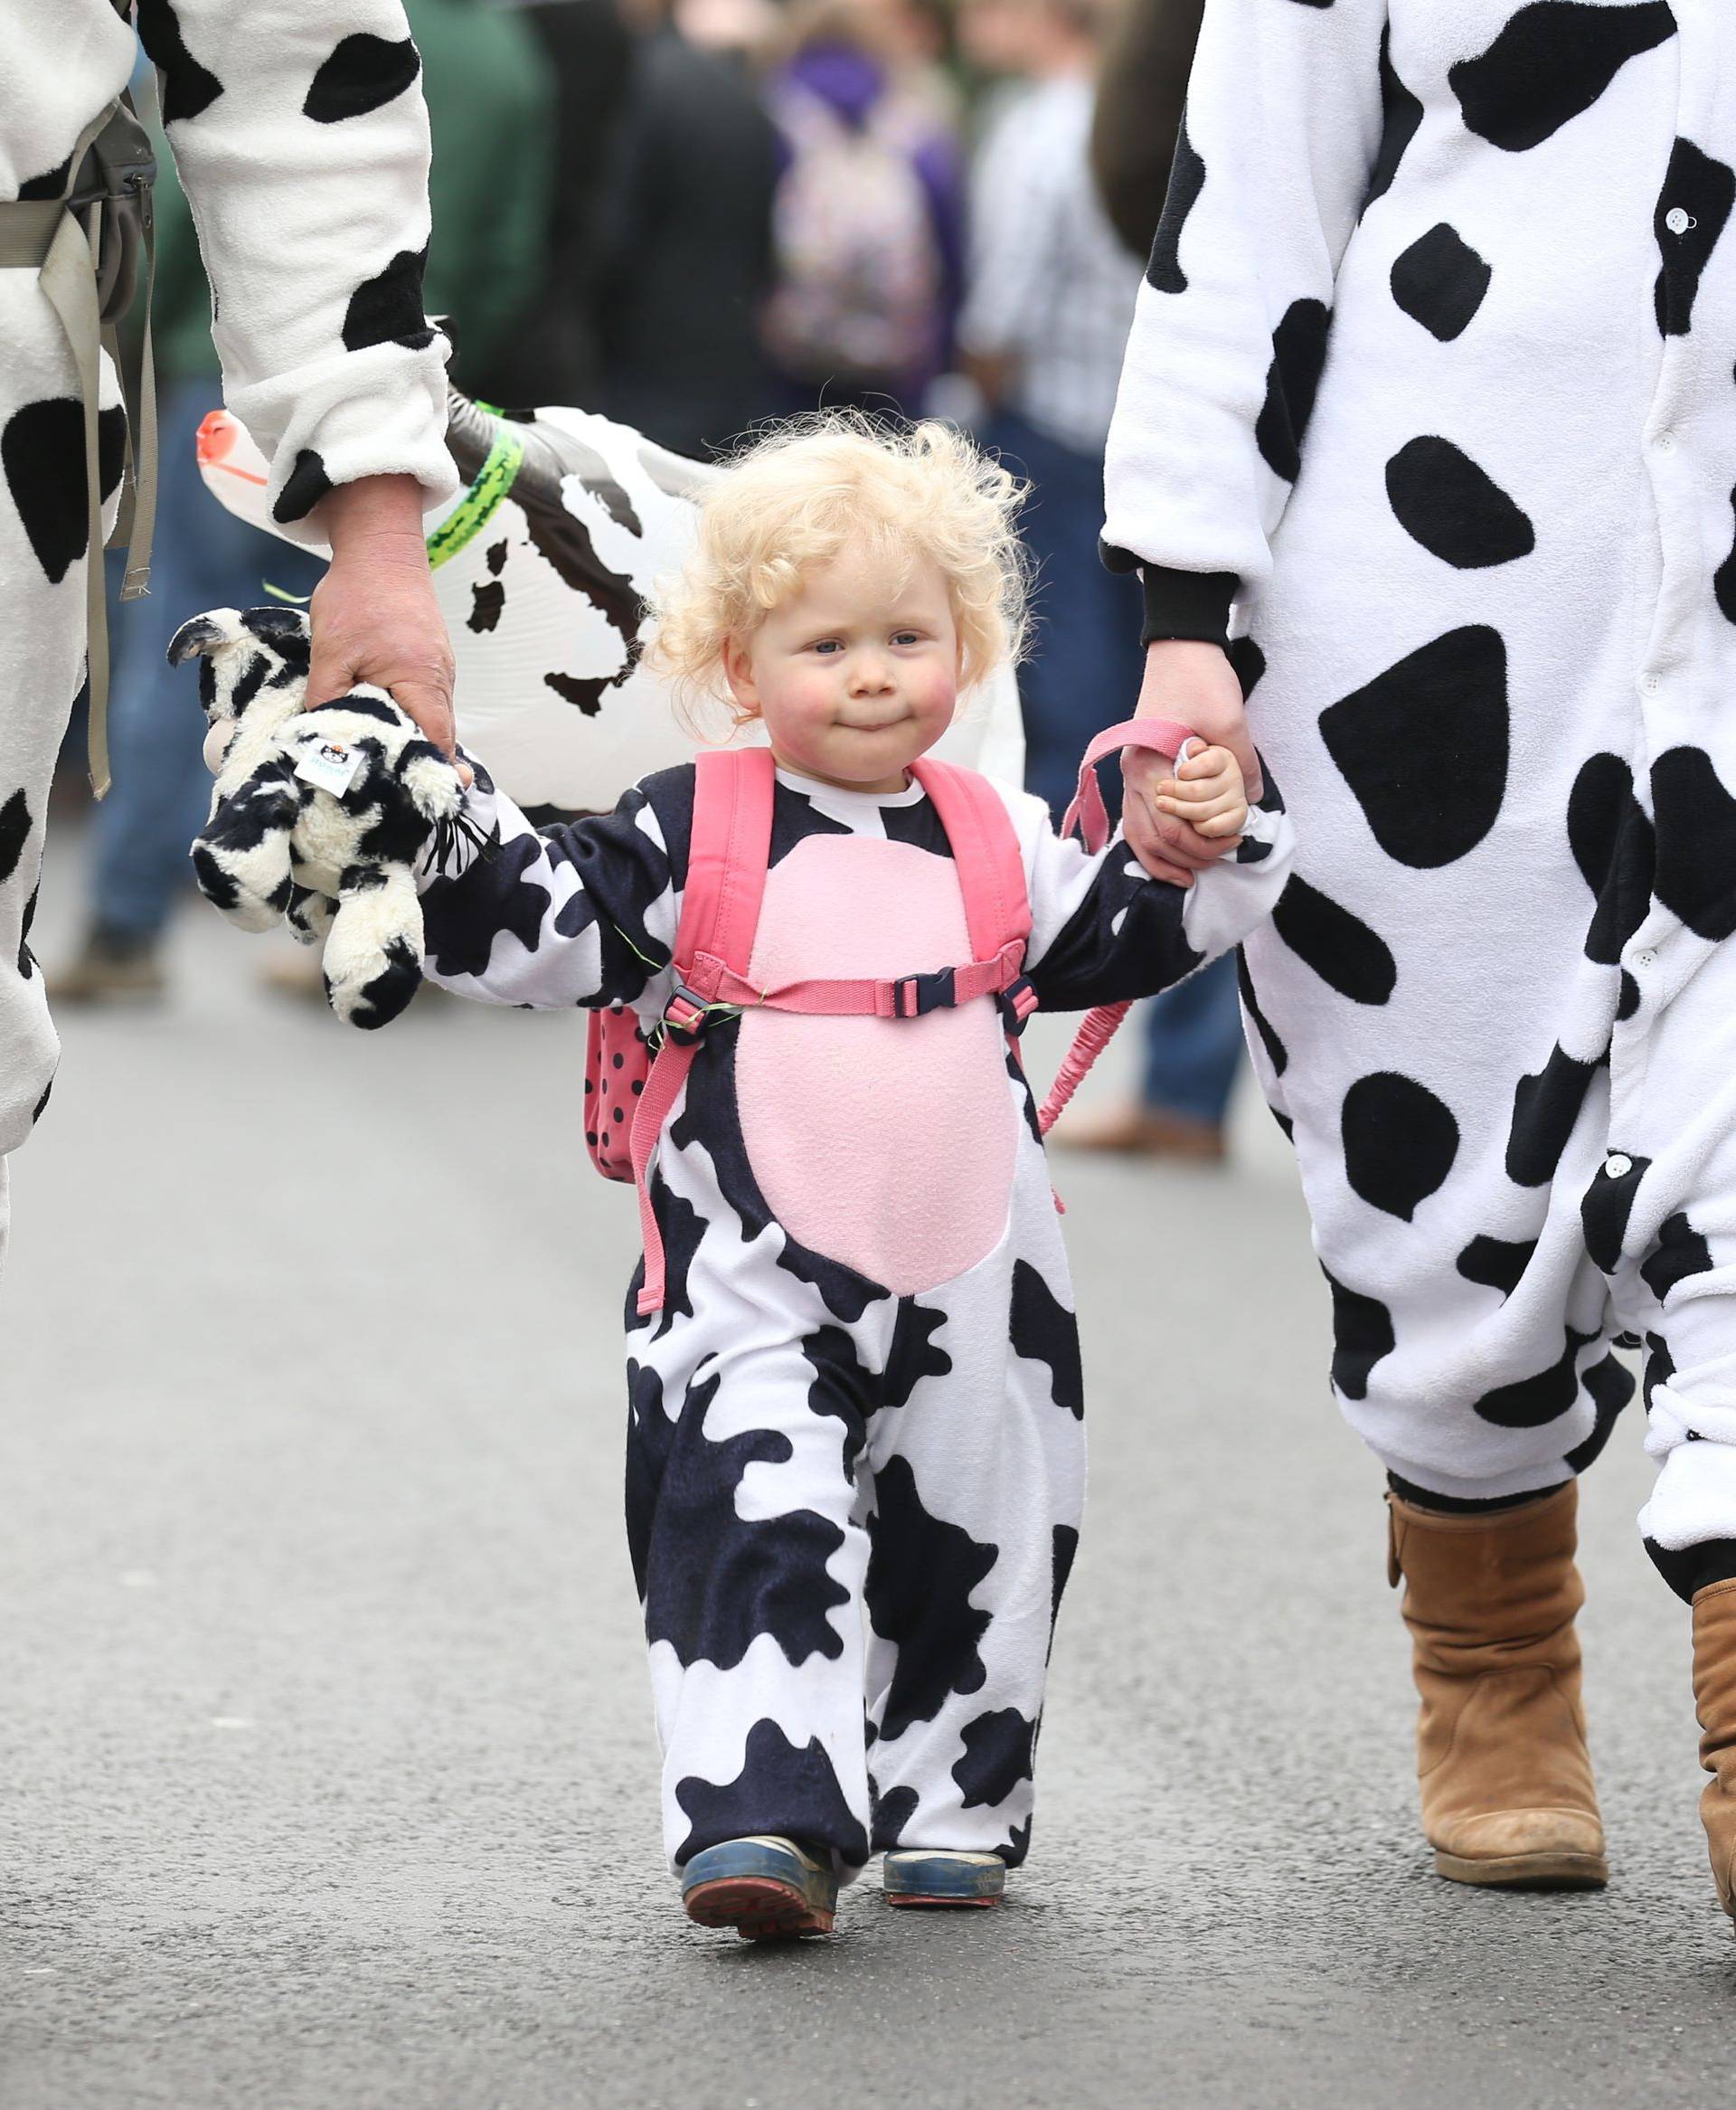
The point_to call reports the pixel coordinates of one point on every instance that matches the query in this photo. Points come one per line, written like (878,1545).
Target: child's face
(855,674)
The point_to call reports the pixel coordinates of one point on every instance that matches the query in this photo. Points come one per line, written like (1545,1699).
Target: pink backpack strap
(985,850)
(1164,735)
(728,849)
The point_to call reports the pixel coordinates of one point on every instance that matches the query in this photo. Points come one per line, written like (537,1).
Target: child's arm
(1104,929)
(584,912)
(1284,137)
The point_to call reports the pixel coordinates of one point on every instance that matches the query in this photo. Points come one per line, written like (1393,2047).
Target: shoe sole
(944,1904)
(758,1907)
(1528,1871)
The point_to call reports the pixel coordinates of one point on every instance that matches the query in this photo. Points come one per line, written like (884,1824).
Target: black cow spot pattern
(1249,662)
(1299,359)
(1680,1252)
(1000,1754)
(362,73)
(585,693)
(913,1354)
(1551,62)
(188,88)
(15,833)
(843,1388)
(1361,1333)
(780,1789)
(1277,1054)
(1064,1552)
(42,449)
(1627,997)
(1043,1332)
(1164,272)
(712,1581)
(1705,190)
(1400,1141)
(1340,947)
(1695,877)
(464,918)
(1611,1383)
(1545,1108)
(487,605)
(892,1812)
(1454,508)
(1423,747)
(1440,281)
(1612,843)
(303,489)
(1496,1262)
(26,958)
(1724,579)
(921,1571)
(387,309)
(1660,1366)
(1605,1207)
(1400,114)
(1533,1401)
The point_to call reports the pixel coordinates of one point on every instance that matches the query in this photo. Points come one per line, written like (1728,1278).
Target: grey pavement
(325,1768)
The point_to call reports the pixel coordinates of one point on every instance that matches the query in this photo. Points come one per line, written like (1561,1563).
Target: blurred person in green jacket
(491,114)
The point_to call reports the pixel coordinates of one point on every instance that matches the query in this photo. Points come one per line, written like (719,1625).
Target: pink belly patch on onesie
(885,1144)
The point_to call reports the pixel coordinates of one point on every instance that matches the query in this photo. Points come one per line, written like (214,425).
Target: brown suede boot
(1715,1702)
(1507,1795)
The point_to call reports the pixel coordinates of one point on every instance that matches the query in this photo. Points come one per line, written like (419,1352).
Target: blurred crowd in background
(695,214)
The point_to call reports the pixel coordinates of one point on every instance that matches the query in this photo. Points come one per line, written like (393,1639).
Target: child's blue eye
(827,645)
(907,638)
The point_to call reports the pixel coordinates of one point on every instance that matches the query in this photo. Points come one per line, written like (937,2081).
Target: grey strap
(64,248)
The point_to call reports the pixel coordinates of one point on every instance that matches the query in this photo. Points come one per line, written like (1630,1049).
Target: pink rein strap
(1163,736)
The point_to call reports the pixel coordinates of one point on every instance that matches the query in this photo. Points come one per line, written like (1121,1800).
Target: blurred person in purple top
(868,218)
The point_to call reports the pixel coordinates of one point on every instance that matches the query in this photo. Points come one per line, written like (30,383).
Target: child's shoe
(912,1877)
(767,1889)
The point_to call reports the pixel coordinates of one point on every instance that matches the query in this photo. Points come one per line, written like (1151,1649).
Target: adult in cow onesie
(1430,382)
(300,133)
(856,1455)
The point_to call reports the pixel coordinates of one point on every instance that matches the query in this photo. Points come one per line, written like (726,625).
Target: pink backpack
(633,1081)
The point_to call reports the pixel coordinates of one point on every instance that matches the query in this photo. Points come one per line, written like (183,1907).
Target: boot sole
(1528,1871)
(758,1907)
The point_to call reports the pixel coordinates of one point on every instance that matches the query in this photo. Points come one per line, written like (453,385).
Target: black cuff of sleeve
(1689,1569)
(1187,605)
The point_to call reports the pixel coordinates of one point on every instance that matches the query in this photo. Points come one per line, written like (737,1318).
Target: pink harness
(633,1088)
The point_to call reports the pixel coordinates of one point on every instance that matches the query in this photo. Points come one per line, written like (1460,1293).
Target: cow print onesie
(1432,372)
(855,1456)
(300,133)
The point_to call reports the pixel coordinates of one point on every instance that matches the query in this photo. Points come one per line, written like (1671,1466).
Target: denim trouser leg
(1194,1045)
(203,557)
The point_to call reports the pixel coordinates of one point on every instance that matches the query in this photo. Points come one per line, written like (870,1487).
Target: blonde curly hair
(803,491)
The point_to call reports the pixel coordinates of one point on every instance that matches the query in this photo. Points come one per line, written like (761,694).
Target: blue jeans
(1083,673)
(203,557)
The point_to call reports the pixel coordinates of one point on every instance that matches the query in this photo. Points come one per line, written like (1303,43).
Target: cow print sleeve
(300,130)
(1102,930)
(1277,155)
(584,912)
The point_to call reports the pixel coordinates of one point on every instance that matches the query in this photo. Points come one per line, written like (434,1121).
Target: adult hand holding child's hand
(1194,683)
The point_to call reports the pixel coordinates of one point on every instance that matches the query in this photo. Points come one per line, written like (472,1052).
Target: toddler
(855,1457)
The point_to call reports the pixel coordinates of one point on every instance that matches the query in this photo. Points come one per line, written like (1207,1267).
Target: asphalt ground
(326,1776)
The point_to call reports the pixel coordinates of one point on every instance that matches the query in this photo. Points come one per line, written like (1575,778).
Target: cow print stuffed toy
(318,816)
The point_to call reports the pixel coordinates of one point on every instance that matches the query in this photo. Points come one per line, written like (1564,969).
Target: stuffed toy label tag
(329,767)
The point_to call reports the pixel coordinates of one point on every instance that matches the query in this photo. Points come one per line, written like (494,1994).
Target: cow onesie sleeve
(855,1457)
(299,129)
(1428,382)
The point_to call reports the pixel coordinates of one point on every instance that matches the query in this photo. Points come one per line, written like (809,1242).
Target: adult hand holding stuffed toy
(318,816)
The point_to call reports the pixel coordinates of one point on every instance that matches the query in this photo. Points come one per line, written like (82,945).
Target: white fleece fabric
(1434,356)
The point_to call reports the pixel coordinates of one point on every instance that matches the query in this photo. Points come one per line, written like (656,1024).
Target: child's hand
(1206,791)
